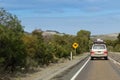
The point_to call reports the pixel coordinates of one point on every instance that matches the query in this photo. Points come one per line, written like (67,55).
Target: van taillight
(105,52)
(92,52)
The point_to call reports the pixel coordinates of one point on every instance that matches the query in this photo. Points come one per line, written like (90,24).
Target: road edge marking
(73,78)
(114,61)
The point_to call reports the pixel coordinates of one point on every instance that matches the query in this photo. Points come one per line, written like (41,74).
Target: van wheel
(92,58)
(106,58)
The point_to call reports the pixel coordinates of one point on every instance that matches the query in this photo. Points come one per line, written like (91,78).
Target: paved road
(94,70)
(100,70)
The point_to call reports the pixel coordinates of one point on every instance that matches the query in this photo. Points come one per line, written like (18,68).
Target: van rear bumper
(99,55)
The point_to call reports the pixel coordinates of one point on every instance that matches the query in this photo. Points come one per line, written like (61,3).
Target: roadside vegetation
(114,45)
(21,51)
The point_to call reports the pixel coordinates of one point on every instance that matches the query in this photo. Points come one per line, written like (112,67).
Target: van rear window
(99,47)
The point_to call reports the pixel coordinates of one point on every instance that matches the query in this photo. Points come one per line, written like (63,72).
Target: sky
(67,16)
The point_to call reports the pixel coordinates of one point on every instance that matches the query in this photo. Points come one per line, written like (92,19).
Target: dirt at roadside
(115,56)
(50,71)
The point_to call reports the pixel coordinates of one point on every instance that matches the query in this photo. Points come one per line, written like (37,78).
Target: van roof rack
(99,41)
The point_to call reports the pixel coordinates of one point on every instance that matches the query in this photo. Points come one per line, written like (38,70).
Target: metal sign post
(71,57)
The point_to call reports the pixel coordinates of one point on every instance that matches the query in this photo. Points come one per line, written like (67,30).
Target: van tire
(106,58)
(92,58)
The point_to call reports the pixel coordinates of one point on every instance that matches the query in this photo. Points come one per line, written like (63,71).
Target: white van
(99,50)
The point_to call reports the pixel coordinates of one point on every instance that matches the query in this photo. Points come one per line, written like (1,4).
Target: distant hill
(112,36)
(51,32)
(47,32)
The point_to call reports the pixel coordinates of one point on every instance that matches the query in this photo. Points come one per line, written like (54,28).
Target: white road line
(114,61)
(73,78)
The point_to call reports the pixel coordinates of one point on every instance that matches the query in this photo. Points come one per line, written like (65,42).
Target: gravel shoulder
(115,56)
(52,70)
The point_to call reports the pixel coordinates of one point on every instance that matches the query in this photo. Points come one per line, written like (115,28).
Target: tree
(12,52)
(11,49)
(118,37)
(40,50)
(83,39)
(63,45)
(10,21)
(117,44)
(30,43)
(117,48)
(110,44)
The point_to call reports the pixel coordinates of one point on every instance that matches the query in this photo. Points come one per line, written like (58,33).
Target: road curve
(100,70)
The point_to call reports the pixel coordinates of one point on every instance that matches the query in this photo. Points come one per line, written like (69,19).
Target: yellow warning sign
(75,45)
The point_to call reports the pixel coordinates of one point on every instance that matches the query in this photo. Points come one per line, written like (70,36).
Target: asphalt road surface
(98,69)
